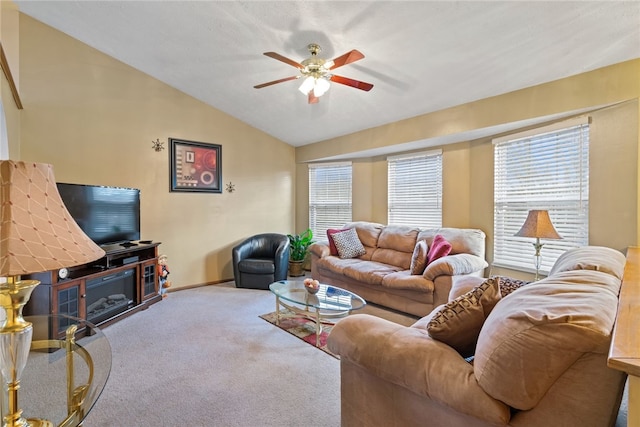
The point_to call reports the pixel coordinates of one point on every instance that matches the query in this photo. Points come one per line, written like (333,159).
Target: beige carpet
(204,357)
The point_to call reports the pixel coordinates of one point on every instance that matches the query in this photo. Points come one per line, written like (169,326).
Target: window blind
(329,196)
(548,169)
(415,189)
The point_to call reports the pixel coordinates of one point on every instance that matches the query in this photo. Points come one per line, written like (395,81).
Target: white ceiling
(421,56)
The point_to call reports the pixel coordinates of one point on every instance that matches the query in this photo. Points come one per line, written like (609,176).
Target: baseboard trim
(199,285)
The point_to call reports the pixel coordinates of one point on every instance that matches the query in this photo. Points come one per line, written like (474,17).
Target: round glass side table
(68,366)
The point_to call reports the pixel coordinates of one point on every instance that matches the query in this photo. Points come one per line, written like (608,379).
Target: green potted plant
(298,250)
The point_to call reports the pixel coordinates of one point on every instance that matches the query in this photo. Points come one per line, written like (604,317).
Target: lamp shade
(37,233)
(538,224)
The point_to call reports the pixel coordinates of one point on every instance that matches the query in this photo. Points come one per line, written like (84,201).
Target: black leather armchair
(261,260)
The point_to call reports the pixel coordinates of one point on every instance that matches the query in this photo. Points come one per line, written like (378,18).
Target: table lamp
(37,234)
(538,225)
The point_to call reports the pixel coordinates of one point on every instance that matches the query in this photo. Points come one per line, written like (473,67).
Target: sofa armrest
(452,265)
(408,357)
(320,249)
(460,285)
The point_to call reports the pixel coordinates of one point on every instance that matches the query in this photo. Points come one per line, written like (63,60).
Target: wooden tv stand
(130,270)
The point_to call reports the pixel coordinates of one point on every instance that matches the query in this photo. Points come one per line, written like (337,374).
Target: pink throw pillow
(439,248)
(332,246)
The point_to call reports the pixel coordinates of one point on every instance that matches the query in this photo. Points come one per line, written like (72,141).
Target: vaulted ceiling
(421,56)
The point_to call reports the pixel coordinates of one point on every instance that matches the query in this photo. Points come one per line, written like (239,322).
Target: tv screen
(106,214)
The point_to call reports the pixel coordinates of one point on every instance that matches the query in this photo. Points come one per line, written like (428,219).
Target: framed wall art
(195,166)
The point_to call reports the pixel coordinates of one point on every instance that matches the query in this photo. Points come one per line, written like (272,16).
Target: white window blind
(545,169)
(329,196)
(415,189)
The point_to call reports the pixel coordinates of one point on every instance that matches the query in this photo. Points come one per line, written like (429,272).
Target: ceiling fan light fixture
(307,85)
(317,73)
(321,87)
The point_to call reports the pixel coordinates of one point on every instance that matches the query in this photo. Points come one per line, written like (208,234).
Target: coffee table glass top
(51,371)
(328,298)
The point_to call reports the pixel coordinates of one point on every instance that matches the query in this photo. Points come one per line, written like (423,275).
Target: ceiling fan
(316,72)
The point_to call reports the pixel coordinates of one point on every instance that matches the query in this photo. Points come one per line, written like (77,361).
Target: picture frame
(196,167)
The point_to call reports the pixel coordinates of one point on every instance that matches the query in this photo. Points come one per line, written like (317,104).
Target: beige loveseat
(382,274)
(540,360)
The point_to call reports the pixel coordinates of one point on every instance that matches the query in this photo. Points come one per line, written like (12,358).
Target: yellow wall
(468,166)
(95,118)
(9,18)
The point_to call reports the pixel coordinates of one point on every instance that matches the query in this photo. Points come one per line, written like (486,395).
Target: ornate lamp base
(15,341)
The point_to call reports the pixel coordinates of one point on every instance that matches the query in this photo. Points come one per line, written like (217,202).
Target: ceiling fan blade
(351,82)
(347,58)
(284,59)
(286,79)
(313,99)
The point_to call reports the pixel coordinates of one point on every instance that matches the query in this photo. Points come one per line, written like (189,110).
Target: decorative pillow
(348,244)
(458,322)
(332,246)
(509,284)
(419,257)
(439,248)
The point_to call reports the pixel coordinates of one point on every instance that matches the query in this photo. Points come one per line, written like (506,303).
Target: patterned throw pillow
(458,322)
(419,257)
(439,248)
(332,246)
(348,244)
(509,284)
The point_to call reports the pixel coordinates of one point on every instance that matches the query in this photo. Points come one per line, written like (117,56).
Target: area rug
(302,328)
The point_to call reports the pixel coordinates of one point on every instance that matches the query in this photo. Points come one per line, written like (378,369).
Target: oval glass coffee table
(63,378)
(329,304)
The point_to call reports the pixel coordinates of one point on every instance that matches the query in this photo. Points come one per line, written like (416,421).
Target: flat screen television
(107,215)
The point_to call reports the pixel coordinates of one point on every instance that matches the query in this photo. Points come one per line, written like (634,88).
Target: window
(546,169)
(415,189)
(329,196)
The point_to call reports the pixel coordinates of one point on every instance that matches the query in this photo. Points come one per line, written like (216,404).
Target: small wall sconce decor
(157,145)
(230,187)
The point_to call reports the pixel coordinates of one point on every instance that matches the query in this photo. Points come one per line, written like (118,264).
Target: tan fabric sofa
(382,274)
(540,360)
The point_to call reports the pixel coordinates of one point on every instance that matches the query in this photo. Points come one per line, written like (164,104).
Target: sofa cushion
(369,272)
(439,248)
(257,266)
(399,238)
(395,246)
(368,232)
(535,334)
(405,280)
(337,264)
(458,322)
(348,244)
(419,257)
(332,246)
